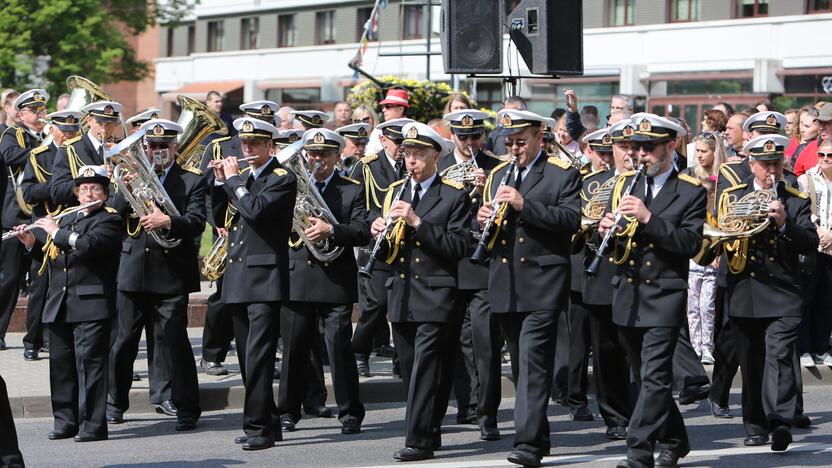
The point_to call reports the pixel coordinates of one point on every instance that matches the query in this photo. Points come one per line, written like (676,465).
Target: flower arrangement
(427,99)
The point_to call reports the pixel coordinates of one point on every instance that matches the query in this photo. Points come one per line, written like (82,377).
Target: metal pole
(428,33)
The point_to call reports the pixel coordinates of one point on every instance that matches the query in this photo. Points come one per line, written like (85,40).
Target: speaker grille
(471,36)
(475,46)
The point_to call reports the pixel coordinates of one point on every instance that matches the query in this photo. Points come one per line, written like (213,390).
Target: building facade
(676,56)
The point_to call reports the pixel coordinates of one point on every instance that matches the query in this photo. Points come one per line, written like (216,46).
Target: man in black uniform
(324,288)
(376,172)
(257,272)
(82,252)
(134,123)
(528,281)
(35,188)
(16,143)
(664,213)
(154,280)
(310,118)
(764,294)
(429,235)
(476,370)
(356,136)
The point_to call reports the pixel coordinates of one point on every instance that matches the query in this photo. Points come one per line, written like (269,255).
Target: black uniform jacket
(651,285)
(594,289)
(770,284)
(15,145)
(75,153)
(530,269)
(148,267)
(36,180)
(472,276)
(82,280)
(257,268)
(422,282)
(337,281)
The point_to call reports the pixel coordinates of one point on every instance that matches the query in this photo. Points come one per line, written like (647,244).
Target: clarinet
(482,245)
(593,267)
(367,270)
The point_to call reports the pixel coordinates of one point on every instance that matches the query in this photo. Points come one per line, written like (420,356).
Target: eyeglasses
(824,155)
(390,106)
(39,111)
(364,120)
(91,189)
(518,143)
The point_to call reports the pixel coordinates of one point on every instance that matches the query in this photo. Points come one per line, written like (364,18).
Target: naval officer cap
(765,122)
(393,128)
(311,118)
(623,130)
(287,137)
(467,122)
(651,127)
(515,121)
(357,133)
(417,134)
(599,140)
(66,120)
(251,128)
(160,130)
(33,98)
(263,110)
(766,147)
(322,139)
(92,174)
(104,111)
(139,119)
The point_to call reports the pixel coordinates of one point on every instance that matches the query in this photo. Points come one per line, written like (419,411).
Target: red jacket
(807,159)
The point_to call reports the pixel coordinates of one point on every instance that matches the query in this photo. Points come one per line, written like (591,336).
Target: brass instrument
(309,203)
(599,197)
(345,165)
(489,234)
(197,122)
(144,192)
(393,229)
(67,212)
(566,155)
(16,180)
(462,172)
(213,264)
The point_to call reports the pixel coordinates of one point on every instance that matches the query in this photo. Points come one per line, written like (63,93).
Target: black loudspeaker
(472,36)
(549,35)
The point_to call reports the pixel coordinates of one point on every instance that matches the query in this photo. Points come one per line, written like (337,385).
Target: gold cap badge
(507,121)
(769,147)
(645,126)
(108,110)
(628,131)
(266,110)
(467,121)
(248,126)
(293,138)
(771,120)
(607,140)
(38,97)
(158,130)
(413,133)
(319,138)
(89,172)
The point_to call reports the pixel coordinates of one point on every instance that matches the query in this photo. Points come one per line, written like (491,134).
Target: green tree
(42,42)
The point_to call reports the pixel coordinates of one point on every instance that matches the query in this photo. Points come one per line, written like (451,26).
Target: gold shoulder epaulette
(795,191)
(690,180)
(369,158)
(594,173)
(280,171)
(628,174)
(559,163)
(193,170)
(220,139)
(39,150)
(734,161)
(349,179)
(72,140)
(735,187)
(110,209)
(452,183)
(729,173)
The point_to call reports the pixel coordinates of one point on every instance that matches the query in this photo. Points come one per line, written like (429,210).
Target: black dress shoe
(781,437)
(616,433)
(802,421)
(351,427)
(363,368)
(467,415)
(287,424)
(755,440)
(31,355)
(581,413)
(489,433)
(85,437)
(213,368)
(186,423)
(319,411)
(720,411)
(628,463)
(136,377)
(258,443)
(241,439)
(523,458)
(397,372)
(413,454)
(689,396)
(667,458)
(385,351)
(166,407)
(3,344)
(115,417)
(61,434)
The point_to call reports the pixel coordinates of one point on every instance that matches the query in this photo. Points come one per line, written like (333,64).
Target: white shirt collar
(95,143)
(528,166)
(256,172)
(392,161)
(425,184)
(659,181)
(167,171)
(458,159)
(325,181)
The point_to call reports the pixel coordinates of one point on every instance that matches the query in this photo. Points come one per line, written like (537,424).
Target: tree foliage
(44,41)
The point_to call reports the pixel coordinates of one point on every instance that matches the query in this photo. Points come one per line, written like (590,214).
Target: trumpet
(367,270)
(69,211)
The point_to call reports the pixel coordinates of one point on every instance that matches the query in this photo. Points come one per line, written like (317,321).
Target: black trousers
(769,389)
(299,328)
(531,339)
(726,361)
(14,263)
(168,320)
(372,322)
(571,379)
(255,331)
(10,455)
(615,391)
(656,418)
(218,330)
(487,341)
(817,309)
(465,381)
(420,347)
(38,286)
(688,372)
(78,369)
(453,374)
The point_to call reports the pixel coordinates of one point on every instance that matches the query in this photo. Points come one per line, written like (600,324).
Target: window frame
(216,33)
(813,10)
(319,27)
(191,39)
(408,21)
(738,7)
(694,8)
(359,26)
(170,40)
(283,34)
(246,33)
(610,7)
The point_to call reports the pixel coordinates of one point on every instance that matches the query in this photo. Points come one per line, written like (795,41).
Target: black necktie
(250,180)
(519,180)
(416,189)
(399,170)
(649,196)
(320,186)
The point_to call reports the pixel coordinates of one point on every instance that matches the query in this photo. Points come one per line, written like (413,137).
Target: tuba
(213,265)
(197,122)
(309,203)
(144,191)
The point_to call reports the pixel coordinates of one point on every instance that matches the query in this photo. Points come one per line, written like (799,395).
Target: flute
(29,227)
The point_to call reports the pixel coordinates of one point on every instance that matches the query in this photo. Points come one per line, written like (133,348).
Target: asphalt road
(148,440)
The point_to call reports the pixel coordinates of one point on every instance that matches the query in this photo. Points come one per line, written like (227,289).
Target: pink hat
(398,97)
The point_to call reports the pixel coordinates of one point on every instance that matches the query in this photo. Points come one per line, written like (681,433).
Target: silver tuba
(309,203)
(144,190)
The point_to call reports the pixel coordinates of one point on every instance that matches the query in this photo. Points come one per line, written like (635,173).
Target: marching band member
(310,118)
(356,137)
(135,123)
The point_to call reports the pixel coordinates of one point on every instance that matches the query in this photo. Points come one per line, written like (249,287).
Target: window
(325,27)
(216,33)
(191,39)
(249,33)
(752,8)
(684,10)
(287,33)
(170,43)
(820,6)
(363,15)
(621,12)
(414,27)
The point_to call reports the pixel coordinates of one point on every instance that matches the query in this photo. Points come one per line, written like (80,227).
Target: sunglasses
(709,135)
(364,120)
(474,137)
(824,155)
(390,106)
(518,143)
(647,146)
